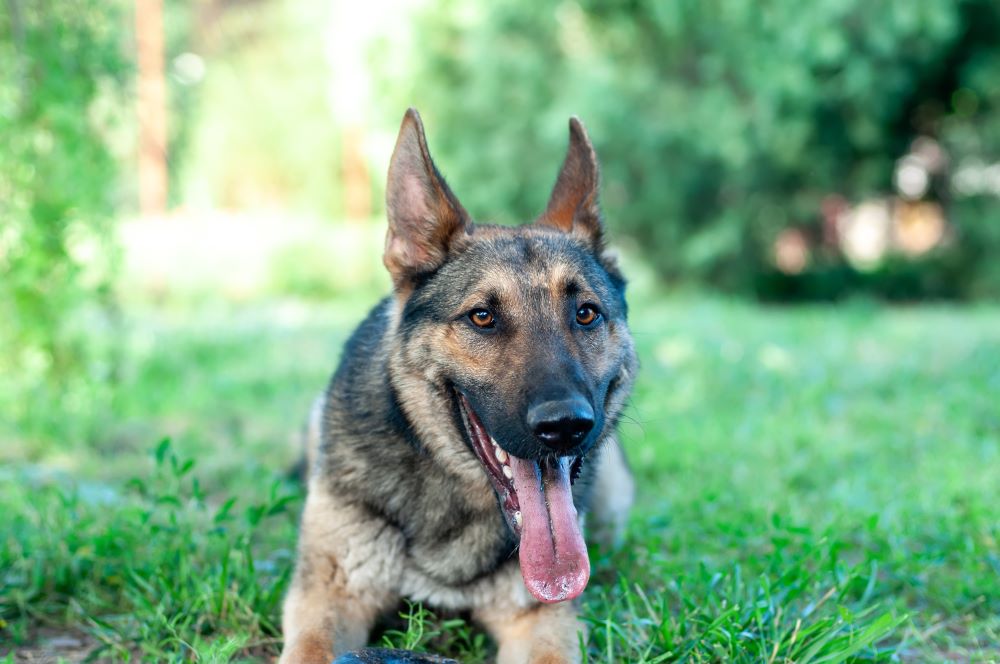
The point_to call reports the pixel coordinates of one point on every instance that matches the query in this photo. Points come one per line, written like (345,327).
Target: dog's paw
(390,656)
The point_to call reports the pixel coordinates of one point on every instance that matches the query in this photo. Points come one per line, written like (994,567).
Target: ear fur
(424,215)
(573,205)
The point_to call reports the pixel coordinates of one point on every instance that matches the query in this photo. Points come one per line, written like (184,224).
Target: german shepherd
(471,423)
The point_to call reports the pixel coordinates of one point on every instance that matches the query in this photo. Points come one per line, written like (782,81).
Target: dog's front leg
(544,634)
(323,620)
(345,577)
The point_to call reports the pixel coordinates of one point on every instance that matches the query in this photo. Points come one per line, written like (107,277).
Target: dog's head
(520,336)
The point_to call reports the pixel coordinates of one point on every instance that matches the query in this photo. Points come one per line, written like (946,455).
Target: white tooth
(517,518)
(507,472)
(500,455)
(494,442)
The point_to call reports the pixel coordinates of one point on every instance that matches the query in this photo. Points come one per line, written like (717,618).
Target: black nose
(561,424)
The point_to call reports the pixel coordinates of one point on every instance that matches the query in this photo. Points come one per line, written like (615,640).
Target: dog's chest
(456,534)
(457,546)
(465,558)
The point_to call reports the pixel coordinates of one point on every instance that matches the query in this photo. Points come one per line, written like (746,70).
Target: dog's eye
(587,315)
(482,318)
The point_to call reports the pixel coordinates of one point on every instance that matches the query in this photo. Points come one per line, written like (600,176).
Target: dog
(470,424)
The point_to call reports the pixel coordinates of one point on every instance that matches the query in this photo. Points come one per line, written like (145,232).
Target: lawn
(816,484)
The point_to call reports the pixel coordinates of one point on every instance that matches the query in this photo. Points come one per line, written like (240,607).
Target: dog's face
(530,328)
(522,334)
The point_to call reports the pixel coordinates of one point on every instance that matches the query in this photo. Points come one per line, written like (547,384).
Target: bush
(719,124)
(61,70)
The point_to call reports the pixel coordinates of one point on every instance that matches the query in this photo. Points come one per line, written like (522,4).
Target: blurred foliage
(62,72)
(718,123)
(971,133)
(259,132)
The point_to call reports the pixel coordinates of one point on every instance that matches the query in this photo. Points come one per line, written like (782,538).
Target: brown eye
(482,318)
(587,315)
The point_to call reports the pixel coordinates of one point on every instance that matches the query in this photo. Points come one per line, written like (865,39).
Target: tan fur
(545,634)
(314,433)
(343,580)
(352,568)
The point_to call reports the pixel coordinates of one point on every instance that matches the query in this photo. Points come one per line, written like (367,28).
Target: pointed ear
(424,216)
(573,204)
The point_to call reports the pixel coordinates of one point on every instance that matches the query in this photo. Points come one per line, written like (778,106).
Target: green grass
(816,485)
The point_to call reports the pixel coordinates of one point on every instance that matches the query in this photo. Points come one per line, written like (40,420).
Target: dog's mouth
(536,498)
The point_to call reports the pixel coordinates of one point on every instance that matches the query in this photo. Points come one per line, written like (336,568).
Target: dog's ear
(573,206)
(424,216)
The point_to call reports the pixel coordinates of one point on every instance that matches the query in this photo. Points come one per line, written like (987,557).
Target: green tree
(62,68)
(719,122)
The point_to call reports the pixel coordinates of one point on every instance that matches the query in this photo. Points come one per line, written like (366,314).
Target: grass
(817,484)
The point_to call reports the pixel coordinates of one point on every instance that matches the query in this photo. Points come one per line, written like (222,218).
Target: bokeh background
(806,197)
(774,152)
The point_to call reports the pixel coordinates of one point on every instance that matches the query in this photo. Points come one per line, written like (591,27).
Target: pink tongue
(554,560)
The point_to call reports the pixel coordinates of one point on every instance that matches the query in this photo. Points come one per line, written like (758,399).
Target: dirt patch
(49,646)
